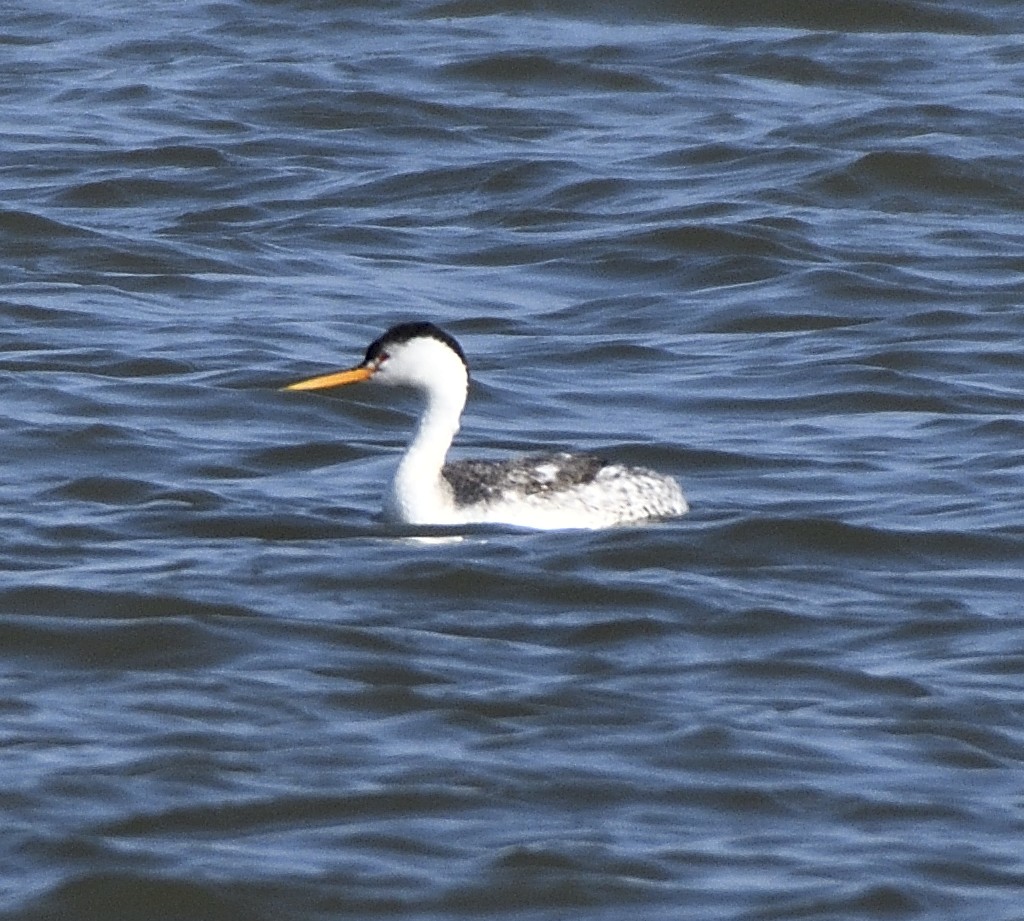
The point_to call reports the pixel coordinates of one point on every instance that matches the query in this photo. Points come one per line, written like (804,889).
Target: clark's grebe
(538,491)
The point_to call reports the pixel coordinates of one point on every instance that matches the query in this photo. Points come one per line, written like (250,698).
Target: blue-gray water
(774,249)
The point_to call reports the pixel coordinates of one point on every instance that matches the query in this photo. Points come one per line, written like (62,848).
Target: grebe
(544,491)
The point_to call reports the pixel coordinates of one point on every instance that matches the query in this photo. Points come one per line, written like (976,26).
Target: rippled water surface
(774,249)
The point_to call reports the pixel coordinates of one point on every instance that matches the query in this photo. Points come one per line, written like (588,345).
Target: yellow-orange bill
(337,379)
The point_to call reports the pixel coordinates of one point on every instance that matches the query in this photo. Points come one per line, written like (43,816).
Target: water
(772,250)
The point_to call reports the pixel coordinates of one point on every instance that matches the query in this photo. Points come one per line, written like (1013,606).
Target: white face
(425,363)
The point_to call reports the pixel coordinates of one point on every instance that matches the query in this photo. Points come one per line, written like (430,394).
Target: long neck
(437,427)
(418,493)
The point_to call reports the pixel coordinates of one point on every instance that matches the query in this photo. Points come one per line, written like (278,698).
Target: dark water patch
(339,522)
(129,367)
(851,901)
(761,622)
(920,179)
(925,124)
(128,491)
(124,192)
(167,49)
(588,195)
(747,239)
(492,178)
(130,93)
(477,584)
(305,456)
(866,15)
(178,156)
(717,155)
(806,539)
(41,356)
(608,354)
(878,809)
(26,316)
(804,675)
(121,262)
(873,288)
(30,27)
(135,896)
(255,814)
(978,732)
(689,256)
(94,436)
(396,115)
(550,73)
(559,875)
(804,70)
(78,603)
(966,872)
(28,225)
(941,318)
(918,360)
(110,631)
(106,489)
(859,400)
(394,674)
(780,321)
(218,218)
(517,178)
(843,388)
(622,630)
(70,848)
(386,700)
(730,773)
(938,389)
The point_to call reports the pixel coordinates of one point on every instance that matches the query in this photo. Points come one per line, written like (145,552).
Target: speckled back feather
(476,481)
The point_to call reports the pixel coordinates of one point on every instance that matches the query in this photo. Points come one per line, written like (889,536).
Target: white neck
(418,493)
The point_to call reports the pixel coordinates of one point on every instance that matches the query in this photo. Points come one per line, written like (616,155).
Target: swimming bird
(543,491)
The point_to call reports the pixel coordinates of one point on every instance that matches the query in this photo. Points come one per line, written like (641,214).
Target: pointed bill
(337,379)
